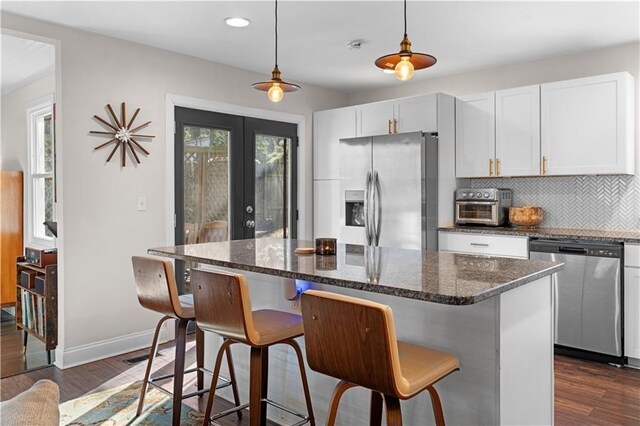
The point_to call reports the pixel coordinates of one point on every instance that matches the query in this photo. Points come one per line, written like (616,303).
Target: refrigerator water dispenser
(354,208)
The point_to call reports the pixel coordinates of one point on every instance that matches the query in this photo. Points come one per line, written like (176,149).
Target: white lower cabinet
(632,301)
(326,208)
(489,245)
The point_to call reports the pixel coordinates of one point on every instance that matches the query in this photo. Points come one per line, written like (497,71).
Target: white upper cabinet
(375,119)
(415,114)
(419,114)
(475,135)
(588,126)
(328,128)
(518,131)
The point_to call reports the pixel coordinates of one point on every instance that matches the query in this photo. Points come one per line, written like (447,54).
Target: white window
(40,185)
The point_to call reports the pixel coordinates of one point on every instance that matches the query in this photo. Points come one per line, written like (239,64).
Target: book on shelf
(40,316)
(33,312)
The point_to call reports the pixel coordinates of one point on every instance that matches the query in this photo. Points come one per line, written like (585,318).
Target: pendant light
(276,87)
(405,62)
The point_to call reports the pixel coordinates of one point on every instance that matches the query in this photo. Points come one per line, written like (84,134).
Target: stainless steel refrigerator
(389,191)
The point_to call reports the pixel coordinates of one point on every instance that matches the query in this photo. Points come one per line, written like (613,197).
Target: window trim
(35,109)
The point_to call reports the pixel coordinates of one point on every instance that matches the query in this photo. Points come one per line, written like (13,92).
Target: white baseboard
(96,351)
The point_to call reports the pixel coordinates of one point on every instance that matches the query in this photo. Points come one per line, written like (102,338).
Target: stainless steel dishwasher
(588,297)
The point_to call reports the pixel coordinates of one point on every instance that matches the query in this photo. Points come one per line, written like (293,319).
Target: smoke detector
(355,44)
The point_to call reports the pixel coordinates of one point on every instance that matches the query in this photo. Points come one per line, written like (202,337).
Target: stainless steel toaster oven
(482,206)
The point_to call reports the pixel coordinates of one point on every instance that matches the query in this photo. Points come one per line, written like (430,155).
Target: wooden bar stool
(223,307)
(157,291)
(354,340)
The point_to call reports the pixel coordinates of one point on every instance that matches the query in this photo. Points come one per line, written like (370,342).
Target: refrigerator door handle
(377,208)
(367,208)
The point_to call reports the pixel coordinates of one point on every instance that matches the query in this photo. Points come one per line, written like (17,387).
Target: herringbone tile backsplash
(588,202)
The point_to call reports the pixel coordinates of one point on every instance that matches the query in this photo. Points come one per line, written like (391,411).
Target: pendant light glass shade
(275,87)
(405,61)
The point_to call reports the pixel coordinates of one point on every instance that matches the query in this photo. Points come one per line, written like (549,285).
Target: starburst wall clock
(121,133)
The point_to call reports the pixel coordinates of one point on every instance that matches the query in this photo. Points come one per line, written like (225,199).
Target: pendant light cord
(405,18)
(276,33)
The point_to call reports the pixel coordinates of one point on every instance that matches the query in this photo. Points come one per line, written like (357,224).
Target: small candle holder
(326,246)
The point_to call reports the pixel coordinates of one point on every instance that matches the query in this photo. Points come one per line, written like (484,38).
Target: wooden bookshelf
(37,309)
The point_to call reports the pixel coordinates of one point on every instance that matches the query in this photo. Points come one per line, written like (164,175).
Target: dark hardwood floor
(587,393)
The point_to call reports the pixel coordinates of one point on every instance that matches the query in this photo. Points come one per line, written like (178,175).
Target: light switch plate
(142,204)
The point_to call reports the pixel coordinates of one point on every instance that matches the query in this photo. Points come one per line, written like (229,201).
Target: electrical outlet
(295,305)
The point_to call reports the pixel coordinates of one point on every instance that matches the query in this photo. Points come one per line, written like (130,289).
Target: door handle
(250,224)
(395,126)
(490,166)
(377,208)
(479,244)
(573,250)
(367,207)
(544,165)
(389,127)
(497,167)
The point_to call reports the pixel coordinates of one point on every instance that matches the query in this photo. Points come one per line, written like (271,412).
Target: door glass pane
(272,186)
(206,184)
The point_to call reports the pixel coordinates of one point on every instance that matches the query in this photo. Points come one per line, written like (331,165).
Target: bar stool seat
(421,367)
(274,326)
(223,307)
(354,340)
(186,303)
(158,292)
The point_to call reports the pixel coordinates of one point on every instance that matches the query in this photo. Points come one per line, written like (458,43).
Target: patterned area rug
(117,406)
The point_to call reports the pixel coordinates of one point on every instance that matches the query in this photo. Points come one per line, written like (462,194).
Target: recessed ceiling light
(237,22)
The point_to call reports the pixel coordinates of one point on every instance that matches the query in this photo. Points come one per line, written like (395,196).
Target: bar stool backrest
(351,339)
(156,285)
(222,304)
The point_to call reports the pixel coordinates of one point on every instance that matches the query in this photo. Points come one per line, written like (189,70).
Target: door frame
(173,101)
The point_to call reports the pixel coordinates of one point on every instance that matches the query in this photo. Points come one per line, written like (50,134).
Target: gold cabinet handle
(490,166)
(497,167)
(395,126)
(389,131)
(544,165)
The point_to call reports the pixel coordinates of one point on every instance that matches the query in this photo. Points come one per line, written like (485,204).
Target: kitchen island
(494,314)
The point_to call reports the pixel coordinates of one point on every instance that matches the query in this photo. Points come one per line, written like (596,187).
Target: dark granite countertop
(632,237)
(447,278)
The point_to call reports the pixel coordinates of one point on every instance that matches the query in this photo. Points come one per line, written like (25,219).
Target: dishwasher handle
(572,250)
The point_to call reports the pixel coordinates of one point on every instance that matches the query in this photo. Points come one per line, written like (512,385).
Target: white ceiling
(24,61)
(463,36)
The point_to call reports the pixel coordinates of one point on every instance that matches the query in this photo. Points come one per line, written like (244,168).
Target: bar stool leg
(178,378)
(214,381)
(437,406)
(375,413)
(394,414)
(258,384)
(232,379)
(200,357)
(335,400)
(303,375)
(152,354)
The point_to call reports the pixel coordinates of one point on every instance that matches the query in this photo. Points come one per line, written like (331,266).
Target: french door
(235,178)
